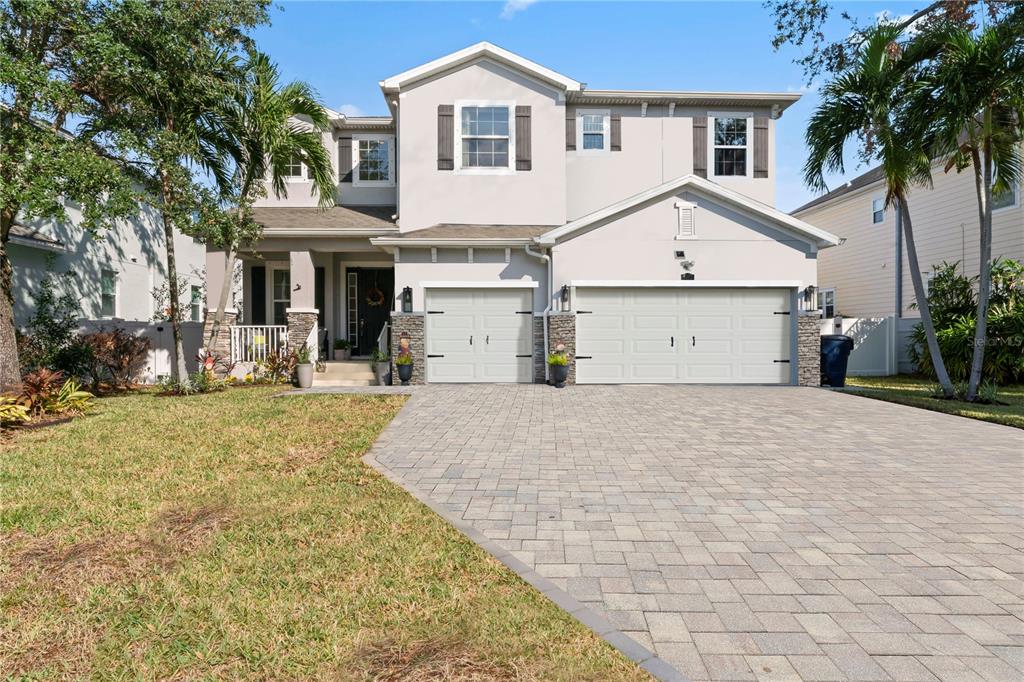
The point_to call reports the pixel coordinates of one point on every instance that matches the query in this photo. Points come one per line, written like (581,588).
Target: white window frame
(479,170)
(681,208)
(1016,200)
(749,147)
(390,140)
(607,130)
(117,294)
(196,315)
(302,172)
(271,298)
(821,303)
(874,199)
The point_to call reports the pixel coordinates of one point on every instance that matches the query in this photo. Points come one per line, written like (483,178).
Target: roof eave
(464,242)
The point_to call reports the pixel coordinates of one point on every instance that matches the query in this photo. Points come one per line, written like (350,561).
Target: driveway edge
(590,618)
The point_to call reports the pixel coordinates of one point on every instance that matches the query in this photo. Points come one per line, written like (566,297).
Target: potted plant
(559,364)
(404,364)
(342,350)
(304,366)
(381,366)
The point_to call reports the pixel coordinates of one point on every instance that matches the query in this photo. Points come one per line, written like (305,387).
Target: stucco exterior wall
(945,217)
(430,196)
(415,267)
(642,246)
(134,249)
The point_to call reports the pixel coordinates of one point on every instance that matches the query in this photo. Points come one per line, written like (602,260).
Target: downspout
(545,258)
(899,265)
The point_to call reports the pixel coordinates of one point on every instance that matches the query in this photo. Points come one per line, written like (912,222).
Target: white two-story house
(504,208)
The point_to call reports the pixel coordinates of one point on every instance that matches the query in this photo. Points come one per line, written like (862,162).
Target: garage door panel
(602,347)
(654,347)
(654,322)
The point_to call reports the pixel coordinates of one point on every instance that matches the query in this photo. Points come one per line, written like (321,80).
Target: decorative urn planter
(559,375)
(405,373)
(304,374)
(558,366)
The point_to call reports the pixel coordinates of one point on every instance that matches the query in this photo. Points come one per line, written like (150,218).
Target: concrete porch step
(320,382)
(351,370)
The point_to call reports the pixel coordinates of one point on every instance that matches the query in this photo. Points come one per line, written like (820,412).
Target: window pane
(282,285)
(878,217)
(294,167)
(731,132)
(593,141)
(280,314)
(373,160)
(1004,199)
(731,161)
(108,282)
(593,123)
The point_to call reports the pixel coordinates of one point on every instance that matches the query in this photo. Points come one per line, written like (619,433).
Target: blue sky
(344,48)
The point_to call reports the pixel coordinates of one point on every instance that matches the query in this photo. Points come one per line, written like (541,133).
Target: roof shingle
(337,218)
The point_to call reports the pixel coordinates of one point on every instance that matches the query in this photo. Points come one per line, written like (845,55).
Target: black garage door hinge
(435,312)
(783,312)
(434,356)
(524,312)
(528,355)
(584,312)
(780,361)
(584,357)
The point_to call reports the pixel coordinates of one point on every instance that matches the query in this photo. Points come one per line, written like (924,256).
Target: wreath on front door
(374,297)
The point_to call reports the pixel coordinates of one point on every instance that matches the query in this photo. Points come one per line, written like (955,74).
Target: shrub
(51,333)
(39,388)
(70,399)
(276,368)
(303,355)
(377,356)
(953,302)
(12,411)
(559,359)
(341,344)
(117,356)
(404,358)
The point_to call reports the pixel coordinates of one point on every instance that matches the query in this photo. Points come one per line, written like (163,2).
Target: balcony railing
(250,343)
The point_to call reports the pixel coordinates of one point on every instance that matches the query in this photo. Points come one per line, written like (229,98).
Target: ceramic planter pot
(304,373)
(559,375)
(342,355)
(404,373)
(383,372)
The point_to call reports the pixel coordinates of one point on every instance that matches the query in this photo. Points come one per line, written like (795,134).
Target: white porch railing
(382,340)
(250,343)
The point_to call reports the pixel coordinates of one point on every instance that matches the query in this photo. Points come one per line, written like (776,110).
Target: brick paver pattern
(745,533)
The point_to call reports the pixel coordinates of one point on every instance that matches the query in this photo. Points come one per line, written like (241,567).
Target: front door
(375,296)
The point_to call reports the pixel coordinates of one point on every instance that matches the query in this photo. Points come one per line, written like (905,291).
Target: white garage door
(670,335)
(479,335)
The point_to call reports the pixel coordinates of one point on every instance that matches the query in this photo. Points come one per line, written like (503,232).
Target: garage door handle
(488,340)
(672,342)
(693,341)
(471,340)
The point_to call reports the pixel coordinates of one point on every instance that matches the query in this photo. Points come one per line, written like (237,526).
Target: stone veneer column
(300,322)
(413,325)
(221,347)
(562,329)
(539,354)
(808,352)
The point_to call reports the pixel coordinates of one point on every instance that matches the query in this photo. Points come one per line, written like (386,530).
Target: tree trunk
(179,370)
(225,293)
(10,369)
(922,300)
(983,185)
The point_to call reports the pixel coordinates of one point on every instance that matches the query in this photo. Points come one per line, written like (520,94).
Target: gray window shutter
(570,130)
(616,130)
(445,137)
(700,146)
(523,133)
(761,147)
(345,159)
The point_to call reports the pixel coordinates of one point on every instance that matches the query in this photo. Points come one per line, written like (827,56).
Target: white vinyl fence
(879,343)
(161,339)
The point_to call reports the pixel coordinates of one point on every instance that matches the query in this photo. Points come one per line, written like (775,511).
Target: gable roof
(860,182)
(32,237)
(473,52)
(755,209)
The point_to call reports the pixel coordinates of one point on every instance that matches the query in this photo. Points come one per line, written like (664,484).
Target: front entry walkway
(743,533)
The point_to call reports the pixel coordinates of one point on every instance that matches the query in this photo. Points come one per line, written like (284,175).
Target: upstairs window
(293,169)
(374,161)
(827,302)
(108,293)
(485,136)
(196,304)
(1005,199)
(877,210)
(730,144)
(593,130)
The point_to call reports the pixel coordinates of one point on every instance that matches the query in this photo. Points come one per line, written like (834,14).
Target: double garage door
(479,335)
(683,335)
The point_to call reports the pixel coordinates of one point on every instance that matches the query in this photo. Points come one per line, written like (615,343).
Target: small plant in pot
(558,362)
(304,366)
(381,366)
(404,364)
(342,350)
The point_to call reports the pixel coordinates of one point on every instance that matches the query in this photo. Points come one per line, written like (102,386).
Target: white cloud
(350,110)
(512,7)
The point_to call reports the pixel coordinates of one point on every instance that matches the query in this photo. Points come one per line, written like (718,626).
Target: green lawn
(917,392)
(237,535)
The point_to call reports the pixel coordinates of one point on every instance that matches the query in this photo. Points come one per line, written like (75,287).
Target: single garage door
(479,335)
(677,335)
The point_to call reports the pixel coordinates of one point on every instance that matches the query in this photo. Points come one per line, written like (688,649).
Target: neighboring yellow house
(867,275)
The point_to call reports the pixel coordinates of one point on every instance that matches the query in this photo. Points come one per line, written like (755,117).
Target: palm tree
(976,96)
(268,125)
(869,102)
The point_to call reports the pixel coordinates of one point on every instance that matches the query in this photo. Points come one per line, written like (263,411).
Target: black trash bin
(835,351)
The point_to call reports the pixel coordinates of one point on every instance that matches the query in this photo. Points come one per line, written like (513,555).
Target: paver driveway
(745,533)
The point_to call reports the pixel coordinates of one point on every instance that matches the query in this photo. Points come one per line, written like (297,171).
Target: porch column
(216,271)
(302,313)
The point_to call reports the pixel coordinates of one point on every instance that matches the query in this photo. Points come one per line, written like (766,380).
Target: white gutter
(544,258)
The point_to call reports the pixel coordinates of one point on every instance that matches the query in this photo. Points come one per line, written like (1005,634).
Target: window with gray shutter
(345,159)
(616,133)
(445,137)
(570,131)
(761,147)
(700,146)
(523,135)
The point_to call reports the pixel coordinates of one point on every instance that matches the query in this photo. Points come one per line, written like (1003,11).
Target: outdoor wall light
(809,302)
(565,297)
(407,300)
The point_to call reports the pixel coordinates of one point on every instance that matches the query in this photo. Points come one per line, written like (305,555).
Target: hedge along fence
(157,362)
